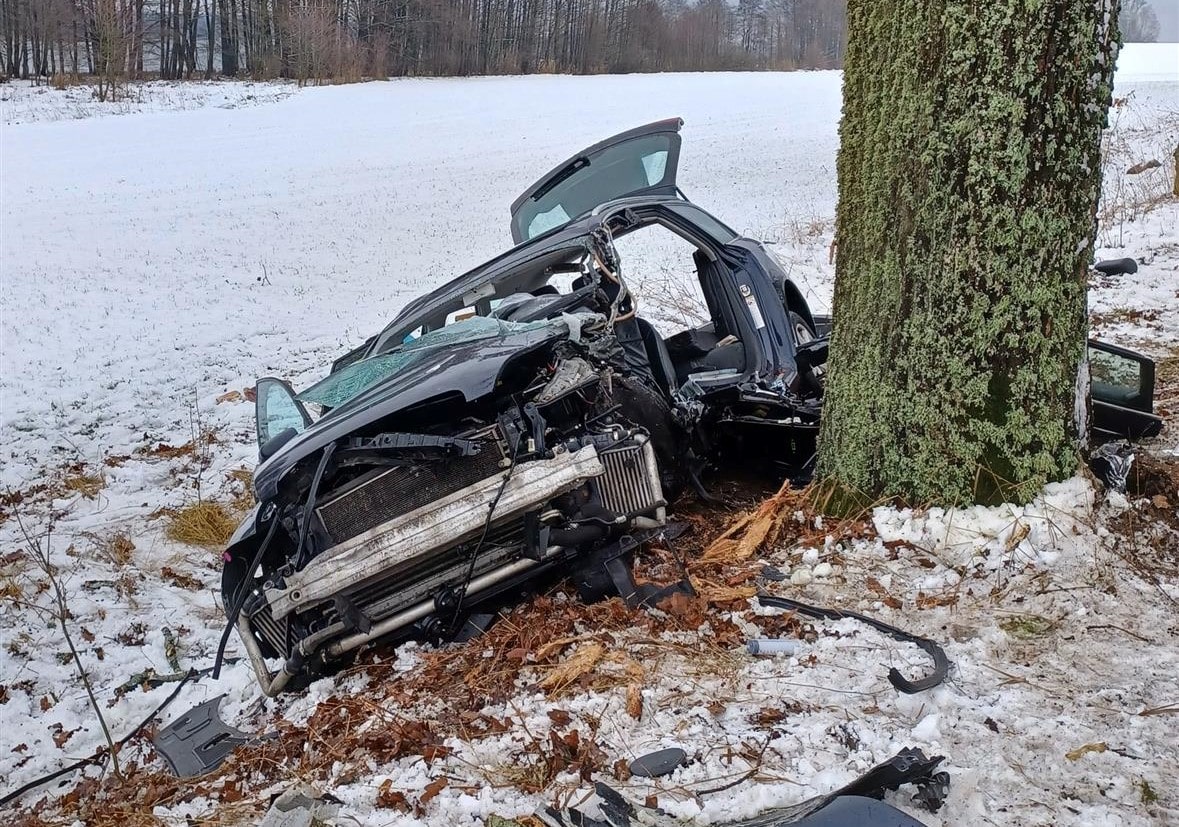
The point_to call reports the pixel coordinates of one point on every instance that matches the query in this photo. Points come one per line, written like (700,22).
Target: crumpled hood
(468,368)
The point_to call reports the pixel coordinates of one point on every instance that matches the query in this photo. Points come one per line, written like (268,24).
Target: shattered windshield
(350,381)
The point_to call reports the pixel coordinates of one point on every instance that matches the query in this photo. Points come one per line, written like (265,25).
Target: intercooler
(631,483)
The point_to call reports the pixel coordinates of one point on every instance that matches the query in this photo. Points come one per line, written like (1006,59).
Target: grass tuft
(206,523)
(88,485)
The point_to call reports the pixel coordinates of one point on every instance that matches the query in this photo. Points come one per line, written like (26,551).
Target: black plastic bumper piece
(198,741)
(941,663)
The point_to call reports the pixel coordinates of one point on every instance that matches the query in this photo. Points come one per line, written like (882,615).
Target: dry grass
(10,589)
(241,484)
(116,548)
(79,482)
(1127,196)
(205,523)
(62,80)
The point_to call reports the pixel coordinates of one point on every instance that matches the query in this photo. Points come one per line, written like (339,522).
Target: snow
(23,101)
(1138,62)
(214,233)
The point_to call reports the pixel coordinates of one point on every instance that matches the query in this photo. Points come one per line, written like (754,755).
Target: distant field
(203,235)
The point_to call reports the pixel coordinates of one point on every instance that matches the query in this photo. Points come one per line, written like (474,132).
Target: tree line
(349,39)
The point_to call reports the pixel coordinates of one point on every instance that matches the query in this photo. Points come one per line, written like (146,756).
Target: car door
(640,161)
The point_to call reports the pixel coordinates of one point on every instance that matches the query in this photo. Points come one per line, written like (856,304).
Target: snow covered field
(154,261)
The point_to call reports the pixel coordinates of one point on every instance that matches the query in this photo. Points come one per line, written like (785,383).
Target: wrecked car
(526,418)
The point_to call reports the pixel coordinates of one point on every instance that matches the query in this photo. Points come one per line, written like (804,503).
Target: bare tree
(1139,22)
(58,611)
(347,39)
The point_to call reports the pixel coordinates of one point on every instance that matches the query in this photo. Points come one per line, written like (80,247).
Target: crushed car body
(526,418)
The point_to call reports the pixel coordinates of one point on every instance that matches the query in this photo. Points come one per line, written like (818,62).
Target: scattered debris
(773,646)
(909,766)
(1111,463)
(941,664)
(573,667)
(198,741)
(655,764)
(300,808)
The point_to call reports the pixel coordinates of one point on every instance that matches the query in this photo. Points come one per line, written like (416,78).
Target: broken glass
(350,381)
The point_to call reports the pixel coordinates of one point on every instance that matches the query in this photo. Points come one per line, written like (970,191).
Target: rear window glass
(612,173)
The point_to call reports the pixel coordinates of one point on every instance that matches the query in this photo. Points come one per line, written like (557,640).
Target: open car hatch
(640,161)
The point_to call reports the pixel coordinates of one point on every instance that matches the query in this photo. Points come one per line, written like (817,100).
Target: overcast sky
(1168,14)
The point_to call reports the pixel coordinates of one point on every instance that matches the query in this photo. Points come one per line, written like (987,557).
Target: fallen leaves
(181,579)
(391,799)
(432,789)
(61,735)
(873,585)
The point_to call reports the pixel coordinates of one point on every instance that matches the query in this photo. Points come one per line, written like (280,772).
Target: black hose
(309,504)
(941,664)
(239,597)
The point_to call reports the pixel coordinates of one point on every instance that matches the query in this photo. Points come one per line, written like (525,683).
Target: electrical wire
(239,597)
(486,529)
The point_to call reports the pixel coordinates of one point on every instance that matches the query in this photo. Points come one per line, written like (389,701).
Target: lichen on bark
(969,171)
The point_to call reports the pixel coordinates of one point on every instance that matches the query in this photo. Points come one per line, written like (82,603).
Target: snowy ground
(37,101)
(152,262)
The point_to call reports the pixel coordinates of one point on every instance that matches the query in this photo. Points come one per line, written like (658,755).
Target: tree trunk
(969,171)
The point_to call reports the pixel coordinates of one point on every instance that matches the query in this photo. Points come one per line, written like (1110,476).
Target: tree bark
(969,171)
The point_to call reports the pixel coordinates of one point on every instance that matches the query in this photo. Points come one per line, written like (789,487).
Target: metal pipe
(414,613)
(773,646)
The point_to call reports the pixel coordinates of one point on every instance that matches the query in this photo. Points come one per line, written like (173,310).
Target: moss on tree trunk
(969,172)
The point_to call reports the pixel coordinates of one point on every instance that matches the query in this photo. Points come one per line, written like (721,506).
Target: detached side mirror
(1122,390)
(1121,377)
(276,412)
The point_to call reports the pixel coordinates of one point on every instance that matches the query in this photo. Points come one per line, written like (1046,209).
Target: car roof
(514,269)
